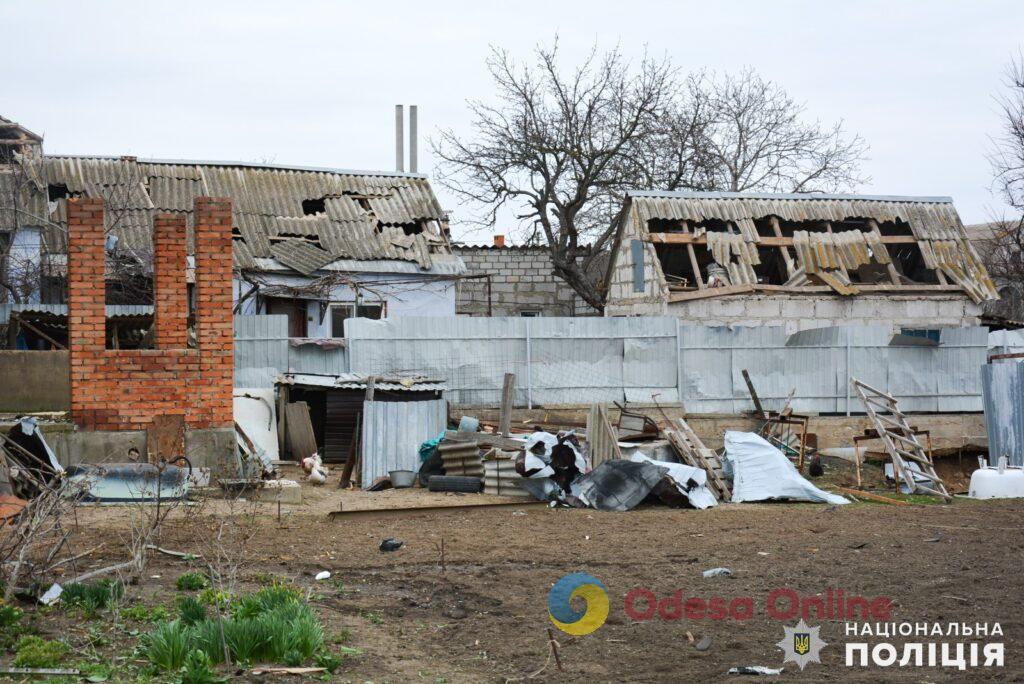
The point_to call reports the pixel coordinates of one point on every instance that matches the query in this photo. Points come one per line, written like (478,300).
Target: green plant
(328,661)
(206,636)
(214,597)
(246,639)
(190,610)
(167,645)
(9,616)
(92,597)
(198,669)
(267,599)
(192,581)
(33,651)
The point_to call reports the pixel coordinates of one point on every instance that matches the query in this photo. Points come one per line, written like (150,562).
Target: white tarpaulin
(761,472)
(699,496)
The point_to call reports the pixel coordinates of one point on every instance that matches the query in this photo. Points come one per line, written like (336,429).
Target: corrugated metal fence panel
(1003,390)
(261,349)
(310,358)
(393,432)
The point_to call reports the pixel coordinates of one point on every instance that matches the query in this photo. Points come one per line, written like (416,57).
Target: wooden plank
(301,439)
(790,267)
(753,395)
(508,394)
(871,496)
(354,452)
(602,442)
(763,241)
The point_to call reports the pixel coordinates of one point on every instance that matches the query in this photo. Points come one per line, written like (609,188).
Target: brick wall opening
(124,389)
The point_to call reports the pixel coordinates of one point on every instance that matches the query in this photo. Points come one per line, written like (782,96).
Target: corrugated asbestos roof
(356,381)
(365,214)
(113,310)
(933,221)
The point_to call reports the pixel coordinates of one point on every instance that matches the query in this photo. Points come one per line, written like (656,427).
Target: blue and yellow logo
(560,598)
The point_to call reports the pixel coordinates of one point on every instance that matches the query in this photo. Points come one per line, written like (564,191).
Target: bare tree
(561,147)
(1008,157)
(557,147)
(749,134)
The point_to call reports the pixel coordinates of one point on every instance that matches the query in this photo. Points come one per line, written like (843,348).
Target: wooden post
(508,395)
(753,395)
(693,259)
(282,401)
(894,275)
(370,382)
(790,268)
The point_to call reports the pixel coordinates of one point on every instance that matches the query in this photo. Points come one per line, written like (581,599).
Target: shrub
(33,651)
(192,581)
(9,616)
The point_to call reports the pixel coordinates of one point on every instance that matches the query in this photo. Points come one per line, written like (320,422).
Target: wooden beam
(753,395)
(508,393)
(37,331)
(693,260)
(790,268)
(894,275)
(764,241)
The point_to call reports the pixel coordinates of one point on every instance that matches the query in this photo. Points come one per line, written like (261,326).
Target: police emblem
(802,645)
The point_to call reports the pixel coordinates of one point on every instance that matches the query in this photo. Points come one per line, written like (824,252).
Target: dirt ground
(483,617)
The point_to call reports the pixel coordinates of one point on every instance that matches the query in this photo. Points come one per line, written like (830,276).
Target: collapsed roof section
(302,217)
(721,243)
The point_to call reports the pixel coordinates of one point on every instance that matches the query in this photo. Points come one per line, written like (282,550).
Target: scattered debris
(717,572)
(704,644)
(51,595)
(390,544)
(322,575)
(755,670)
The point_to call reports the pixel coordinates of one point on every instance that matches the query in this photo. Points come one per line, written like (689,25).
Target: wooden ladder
(685,441)
(900,441)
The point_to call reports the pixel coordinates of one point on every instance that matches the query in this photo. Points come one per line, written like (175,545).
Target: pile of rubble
(614,468)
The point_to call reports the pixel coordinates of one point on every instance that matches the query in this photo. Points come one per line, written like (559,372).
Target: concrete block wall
(522,279)
(123,389)
(804,312)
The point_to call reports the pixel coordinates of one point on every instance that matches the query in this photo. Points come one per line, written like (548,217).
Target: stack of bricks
(124,389)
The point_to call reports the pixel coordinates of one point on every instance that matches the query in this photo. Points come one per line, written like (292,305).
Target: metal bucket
(402,478)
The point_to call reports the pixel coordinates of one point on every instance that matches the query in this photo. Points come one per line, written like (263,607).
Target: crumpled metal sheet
(760,472)
(691,482)
(619,485)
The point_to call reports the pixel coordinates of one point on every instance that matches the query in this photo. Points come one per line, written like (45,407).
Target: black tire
(454,483)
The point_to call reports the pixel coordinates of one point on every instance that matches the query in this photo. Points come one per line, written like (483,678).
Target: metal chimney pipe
(399,139)
(413,142)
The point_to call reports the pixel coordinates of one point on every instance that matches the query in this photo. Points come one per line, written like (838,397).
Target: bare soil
(483,618)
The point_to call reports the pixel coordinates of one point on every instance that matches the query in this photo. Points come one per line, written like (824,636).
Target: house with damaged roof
(799,260)
(318,245)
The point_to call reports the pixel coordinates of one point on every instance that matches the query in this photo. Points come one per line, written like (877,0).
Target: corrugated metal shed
(351,214)
(933,221)
(1002,385)
(393,432)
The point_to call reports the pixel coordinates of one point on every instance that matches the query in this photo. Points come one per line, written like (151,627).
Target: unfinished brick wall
(123,389)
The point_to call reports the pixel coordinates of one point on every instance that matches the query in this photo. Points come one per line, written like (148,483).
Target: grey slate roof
(366,215)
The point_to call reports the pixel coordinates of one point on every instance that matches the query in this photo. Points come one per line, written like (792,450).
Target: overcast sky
(315,83)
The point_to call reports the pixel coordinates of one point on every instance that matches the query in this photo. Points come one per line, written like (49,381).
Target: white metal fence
(577,361)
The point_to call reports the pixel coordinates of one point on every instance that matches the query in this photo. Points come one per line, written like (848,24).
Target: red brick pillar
(86,303)
(214,316)
(170,291)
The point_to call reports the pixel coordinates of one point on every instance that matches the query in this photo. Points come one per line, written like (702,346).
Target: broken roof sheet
(933,221)
(355,381)
(349,214)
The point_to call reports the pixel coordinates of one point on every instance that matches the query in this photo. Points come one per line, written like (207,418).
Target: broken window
(342,312)
(312,207)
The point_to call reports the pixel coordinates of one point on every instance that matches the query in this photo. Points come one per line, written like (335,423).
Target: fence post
(849,371)
(679,365)
(529,369)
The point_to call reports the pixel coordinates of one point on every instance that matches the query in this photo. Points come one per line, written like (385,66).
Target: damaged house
(803,261)
(317,245)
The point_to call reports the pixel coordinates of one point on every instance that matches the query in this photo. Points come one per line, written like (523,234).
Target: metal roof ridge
(251,165)
(694,194)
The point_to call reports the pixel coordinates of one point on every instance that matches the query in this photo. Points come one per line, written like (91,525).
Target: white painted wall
(404,295)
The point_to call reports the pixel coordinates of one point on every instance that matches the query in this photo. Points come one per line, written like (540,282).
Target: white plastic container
(1001,482)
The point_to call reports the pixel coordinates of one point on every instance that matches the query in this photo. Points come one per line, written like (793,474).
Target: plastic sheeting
(698,495)
(760,472)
